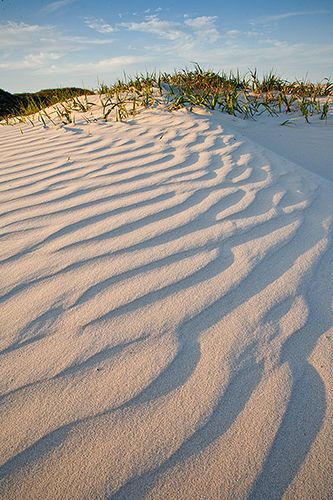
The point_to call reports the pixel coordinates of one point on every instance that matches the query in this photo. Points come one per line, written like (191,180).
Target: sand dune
(166,314)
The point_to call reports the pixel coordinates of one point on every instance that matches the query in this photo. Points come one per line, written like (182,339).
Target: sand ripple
(166,311)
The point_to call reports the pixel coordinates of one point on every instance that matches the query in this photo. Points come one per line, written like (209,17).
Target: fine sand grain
(166,313)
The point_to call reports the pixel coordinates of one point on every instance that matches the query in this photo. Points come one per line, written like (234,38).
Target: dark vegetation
(16,104)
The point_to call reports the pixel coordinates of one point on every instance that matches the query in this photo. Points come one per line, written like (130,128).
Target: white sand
(166,312)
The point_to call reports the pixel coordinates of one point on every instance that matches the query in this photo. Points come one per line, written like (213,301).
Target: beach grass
(239,95)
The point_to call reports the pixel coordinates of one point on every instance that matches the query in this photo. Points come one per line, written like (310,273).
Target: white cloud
(201,22)
(167,30)
(54,6)
(204,27)
(99,25)
(185,35)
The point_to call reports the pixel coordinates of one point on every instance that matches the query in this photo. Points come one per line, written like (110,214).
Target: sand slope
(166,314)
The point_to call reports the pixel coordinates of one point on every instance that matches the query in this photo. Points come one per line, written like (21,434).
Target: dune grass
(239,95)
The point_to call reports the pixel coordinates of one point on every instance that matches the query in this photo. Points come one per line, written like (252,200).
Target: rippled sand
(166,314)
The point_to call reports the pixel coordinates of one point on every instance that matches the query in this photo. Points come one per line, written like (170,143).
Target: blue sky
(47,43)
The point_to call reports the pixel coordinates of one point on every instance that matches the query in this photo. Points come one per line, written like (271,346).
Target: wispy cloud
(167,30)
(238,33)
(233,33)
(287,15)
(29,37)
(99,25)
(204,27)
(59,4)
(184,35)
(76,42)
(14,34)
